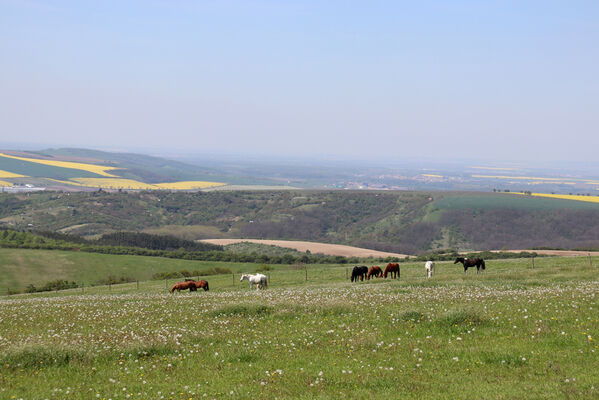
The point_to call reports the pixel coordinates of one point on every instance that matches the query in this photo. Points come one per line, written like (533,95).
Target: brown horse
(393,269)
(191,285)
(202,285)
(374,271)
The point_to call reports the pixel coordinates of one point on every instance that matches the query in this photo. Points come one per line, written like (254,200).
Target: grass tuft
(463,317)
(415,316)
(39,357)
(247,309)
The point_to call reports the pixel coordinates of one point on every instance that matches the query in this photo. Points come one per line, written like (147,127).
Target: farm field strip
(516,333)
(7,174)
(590,199)
(313,247)
(96,169)
(123,183)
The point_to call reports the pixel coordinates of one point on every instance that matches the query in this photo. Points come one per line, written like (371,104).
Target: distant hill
(398,222)
(77,169)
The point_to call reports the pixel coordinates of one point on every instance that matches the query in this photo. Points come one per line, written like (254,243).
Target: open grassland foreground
(512,332)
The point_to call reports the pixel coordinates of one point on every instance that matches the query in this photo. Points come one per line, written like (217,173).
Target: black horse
(359,272)
(475,262)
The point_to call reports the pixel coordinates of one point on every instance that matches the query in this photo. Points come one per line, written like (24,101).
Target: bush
(113,280)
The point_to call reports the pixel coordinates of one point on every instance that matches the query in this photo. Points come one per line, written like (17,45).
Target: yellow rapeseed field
(96,169)
(6,174)
(567,181)
(4,183)
(432,176)
(188,185)
(495,168)
(113,183)
(590,199)
(528,178)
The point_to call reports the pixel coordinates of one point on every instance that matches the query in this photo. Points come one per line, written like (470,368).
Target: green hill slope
(402,222)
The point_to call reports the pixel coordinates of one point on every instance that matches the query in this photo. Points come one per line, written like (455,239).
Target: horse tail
(173,289)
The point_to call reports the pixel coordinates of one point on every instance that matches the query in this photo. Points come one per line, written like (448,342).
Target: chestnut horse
(201,285)
(191,285)
(479,263)
(374,271)
(393,269)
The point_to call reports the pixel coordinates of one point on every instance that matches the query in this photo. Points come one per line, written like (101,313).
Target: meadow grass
(512,332)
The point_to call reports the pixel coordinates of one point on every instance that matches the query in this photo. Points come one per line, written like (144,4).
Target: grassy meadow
(512,332)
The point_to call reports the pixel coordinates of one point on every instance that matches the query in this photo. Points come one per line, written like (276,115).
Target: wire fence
(410,273)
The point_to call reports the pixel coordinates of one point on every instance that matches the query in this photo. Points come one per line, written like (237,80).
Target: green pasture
(507,200)
(511,332)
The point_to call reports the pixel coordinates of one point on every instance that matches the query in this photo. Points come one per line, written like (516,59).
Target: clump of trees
(113,280)
(58,284)
(186,273)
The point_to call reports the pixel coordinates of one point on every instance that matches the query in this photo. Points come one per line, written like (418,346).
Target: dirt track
(564,253)
(324,248)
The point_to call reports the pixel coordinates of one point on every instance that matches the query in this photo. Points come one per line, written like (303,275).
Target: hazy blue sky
(503,79)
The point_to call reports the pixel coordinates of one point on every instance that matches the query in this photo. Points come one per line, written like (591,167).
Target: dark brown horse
(479,263)
(374,271)
(359,272)
(393,269)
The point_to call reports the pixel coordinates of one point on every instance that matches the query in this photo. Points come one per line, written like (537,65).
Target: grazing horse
(393,269)
(429,266)
(202,285)
(359,272)
(191,285)
(374,271)
(257,279)
(475,262)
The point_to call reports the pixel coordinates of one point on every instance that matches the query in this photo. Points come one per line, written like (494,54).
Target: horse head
(459,259)
(244,276)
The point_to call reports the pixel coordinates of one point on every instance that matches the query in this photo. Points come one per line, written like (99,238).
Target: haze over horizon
(513,81)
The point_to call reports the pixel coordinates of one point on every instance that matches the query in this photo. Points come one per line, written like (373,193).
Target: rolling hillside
(80,169)
(398,222)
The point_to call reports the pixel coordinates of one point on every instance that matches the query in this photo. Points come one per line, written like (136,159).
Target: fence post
(137,282)
(346,273)
(165,284)
(109,287)
(268,273)
(590,262)
(306,268)
(533,263)
(233,275)
(82,288)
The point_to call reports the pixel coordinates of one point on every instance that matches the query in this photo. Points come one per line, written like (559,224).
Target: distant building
(21,188)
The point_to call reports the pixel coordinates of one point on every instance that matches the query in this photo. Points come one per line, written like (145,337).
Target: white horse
(429,266)
(257,279)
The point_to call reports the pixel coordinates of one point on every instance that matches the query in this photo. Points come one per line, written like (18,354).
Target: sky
(503,80)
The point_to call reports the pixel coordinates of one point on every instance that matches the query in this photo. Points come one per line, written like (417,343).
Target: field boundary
(313,247)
